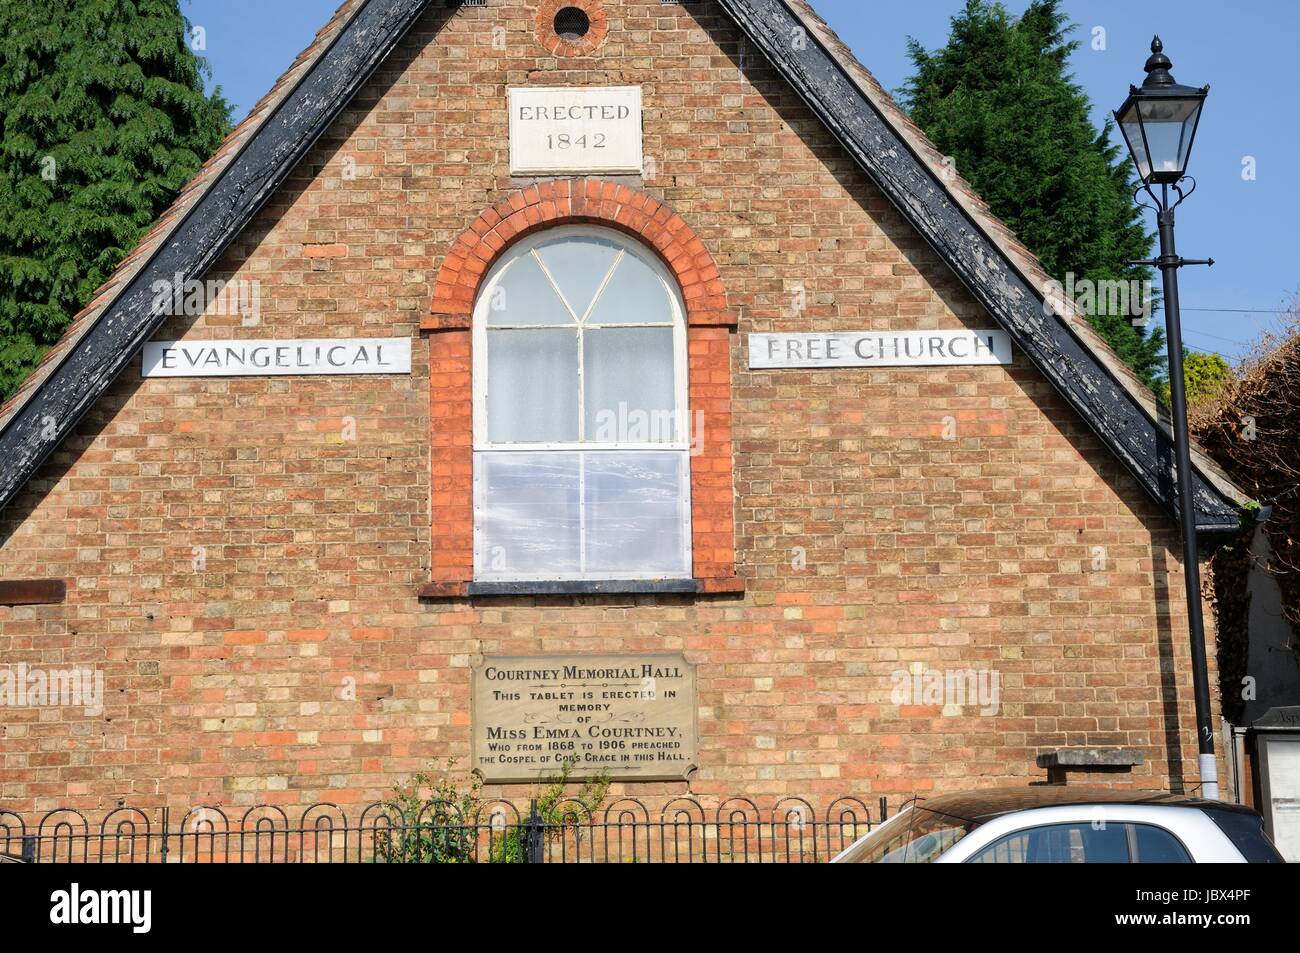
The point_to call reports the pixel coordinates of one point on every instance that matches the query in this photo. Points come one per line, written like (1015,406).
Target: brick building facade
(274,574)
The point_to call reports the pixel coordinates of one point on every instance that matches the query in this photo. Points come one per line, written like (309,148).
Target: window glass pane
(1246,831)
(1155,845)
(630,395)
(635,295)
(1059,844)
(579,264)
(532,390)
(1133,134)
(633,510)
(1169,127)
(566,513)
(526,514)
(524,296)
(917,837)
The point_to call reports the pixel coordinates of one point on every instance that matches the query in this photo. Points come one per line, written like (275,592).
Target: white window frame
(483,445)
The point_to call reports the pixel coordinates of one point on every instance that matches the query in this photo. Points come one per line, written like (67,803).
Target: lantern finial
(1158,66)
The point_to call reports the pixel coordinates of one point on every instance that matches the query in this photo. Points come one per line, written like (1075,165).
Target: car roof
(979,807)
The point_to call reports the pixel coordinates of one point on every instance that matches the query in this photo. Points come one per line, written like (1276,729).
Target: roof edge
(982,252)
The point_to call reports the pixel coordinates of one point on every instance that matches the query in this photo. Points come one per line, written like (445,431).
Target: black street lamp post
(1159,122)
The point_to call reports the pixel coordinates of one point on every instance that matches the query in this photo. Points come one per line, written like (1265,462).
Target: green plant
(438,828)
(1206,376)
(556,813)
(440,820)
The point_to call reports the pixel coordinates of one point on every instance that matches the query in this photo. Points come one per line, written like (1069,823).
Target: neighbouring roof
(264,149)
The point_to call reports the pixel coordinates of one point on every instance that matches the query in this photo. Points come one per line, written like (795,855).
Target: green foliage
(437,827)
(1000,100)
(560,813)
(103,118)
(1206,377)
(442,826)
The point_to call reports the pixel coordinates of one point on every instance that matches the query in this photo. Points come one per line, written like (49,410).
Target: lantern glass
(1159,131)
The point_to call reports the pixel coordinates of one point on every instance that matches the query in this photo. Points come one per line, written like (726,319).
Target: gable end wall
(244,555)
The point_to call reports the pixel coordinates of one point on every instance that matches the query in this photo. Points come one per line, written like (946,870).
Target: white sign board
(277,358)
(575,129)
(1280,783)
(879,349)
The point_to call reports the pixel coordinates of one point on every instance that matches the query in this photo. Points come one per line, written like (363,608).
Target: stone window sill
(582,587)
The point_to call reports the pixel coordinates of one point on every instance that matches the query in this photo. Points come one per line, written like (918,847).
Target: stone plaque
(575,129)
(277,358)
(879,349)
(632,716)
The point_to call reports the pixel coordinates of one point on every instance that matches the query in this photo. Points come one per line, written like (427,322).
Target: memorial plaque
(880,349)
(575,129)
(630,716)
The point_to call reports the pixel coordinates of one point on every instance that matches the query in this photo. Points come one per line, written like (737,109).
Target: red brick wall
(451,440)
(244,555)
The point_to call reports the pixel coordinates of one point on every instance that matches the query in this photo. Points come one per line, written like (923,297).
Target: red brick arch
(578,201)
(522,213)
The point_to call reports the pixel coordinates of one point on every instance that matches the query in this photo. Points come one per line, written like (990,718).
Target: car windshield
(916,836)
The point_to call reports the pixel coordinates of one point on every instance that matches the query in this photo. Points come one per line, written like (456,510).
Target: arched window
(581,442)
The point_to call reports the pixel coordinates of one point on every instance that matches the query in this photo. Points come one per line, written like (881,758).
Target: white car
(1055,825)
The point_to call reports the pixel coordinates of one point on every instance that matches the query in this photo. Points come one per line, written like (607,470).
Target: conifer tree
(103,118)
(1000,100)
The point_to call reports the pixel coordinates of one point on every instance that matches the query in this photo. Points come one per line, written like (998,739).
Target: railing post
(165,823)
(29,848)
(534,835)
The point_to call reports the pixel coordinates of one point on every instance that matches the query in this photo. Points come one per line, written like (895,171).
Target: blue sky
(1245,52)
